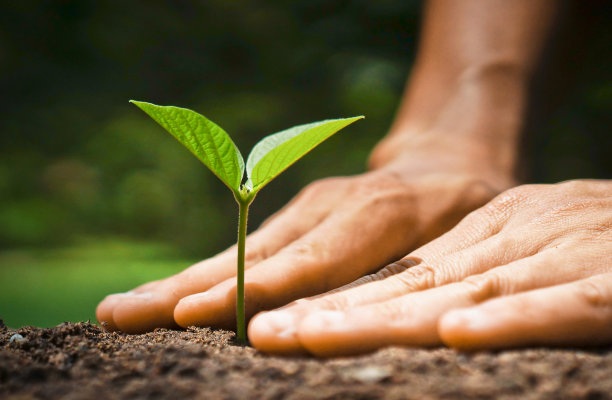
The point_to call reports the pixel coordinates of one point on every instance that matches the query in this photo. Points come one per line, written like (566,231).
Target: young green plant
(271,156)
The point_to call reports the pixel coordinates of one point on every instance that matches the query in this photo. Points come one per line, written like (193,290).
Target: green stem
(243,211)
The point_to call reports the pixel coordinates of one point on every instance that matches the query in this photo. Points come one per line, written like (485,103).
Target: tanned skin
(472,261)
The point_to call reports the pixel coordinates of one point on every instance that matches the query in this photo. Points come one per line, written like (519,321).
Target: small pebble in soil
(17,339)
(84,361)
(368,374)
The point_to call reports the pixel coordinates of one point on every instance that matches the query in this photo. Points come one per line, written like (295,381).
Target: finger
(344,247)
(476,227)
(477,255)
(577,314)
(152,305)
(104,310)
(277,331)
(411,319)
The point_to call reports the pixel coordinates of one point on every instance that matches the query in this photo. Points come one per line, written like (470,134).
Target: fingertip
(211,308)
(275,332)
(104,311)
(143,312)
(217,306)
(332,334)
(185,312)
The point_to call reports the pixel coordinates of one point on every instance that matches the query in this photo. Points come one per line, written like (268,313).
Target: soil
(81,361)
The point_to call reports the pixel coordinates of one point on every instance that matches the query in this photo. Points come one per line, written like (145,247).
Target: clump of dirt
(81,361)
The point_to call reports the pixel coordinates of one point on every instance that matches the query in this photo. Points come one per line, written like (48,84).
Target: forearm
(468,89)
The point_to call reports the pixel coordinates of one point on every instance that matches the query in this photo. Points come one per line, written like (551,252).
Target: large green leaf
(205,139)
(277,152)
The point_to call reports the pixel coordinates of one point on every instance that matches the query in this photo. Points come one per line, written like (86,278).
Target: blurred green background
(96,198)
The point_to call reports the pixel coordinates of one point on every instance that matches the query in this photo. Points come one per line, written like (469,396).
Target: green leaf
(277,152)
(205,139)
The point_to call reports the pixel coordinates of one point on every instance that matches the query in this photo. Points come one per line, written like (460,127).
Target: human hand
(532,267)
(335,231)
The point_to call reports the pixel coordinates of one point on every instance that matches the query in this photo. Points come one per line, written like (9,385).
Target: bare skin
(452,148)
(445,156)
(532,267)
(304,249)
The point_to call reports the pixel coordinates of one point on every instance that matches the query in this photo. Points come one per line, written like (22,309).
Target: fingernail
(281,322)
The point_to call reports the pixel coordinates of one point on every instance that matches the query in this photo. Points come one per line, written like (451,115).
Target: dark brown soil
(80,361)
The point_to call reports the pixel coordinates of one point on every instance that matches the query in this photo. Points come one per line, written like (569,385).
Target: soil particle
(80,361)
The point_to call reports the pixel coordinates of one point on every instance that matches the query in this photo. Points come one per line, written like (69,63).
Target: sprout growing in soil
(271,156)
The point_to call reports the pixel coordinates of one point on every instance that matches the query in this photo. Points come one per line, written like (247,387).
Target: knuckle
(483,286)
(322,191)
(594,294)
(334,301)
(512,242)
(384,201)
(602,230)
(483,215)
(510,198)
(574,186)
(254,255)
(418,277)
(375,183)
(304,252)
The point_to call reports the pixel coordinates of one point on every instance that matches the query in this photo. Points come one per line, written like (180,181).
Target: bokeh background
(96,198)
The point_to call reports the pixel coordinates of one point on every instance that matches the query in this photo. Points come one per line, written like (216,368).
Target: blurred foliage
(46,287)
(77,160)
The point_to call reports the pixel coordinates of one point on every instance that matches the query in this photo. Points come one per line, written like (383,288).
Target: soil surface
(81,361)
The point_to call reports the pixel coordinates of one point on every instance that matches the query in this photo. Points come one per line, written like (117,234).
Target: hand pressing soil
(81,361)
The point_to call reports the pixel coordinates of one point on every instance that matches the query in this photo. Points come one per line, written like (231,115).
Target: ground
(80,361)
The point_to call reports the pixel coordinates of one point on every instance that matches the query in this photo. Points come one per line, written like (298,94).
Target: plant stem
(243,211)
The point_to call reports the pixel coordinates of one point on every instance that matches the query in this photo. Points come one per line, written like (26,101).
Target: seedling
(271,156)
